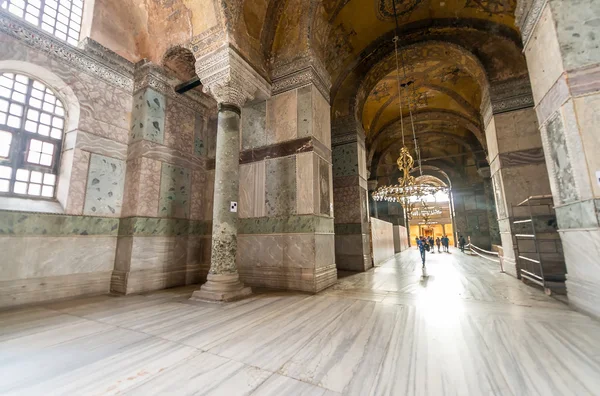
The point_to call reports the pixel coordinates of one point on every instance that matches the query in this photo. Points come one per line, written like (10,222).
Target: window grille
(32,121)
(62,18)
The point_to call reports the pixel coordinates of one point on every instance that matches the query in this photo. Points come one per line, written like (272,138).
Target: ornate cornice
(92,58)
(150,75)
(227,77)
(302,71)
(511,95)
(527,14)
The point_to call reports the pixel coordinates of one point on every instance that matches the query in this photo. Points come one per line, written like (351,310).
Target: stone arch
(181,61)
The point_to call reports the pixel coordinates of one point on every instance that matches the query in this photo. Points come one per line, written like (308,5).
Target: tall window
(31,130)
(61,18)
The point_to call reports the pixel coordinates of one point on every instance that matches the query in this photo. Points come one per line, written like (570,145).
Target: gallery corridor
(467,330)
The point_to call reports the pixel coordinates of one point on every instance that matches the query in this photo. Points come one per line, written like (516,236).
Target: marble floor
(466,330)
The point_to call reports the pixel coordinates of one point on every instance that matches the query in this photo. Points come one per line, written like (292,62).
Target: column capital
(229,79)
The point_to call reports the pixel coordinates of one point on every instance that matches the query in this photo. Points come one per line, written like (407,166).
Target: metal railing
(485,254)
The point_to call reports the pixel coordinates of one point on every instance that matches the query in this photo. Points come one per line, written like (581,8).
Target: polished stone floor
(466,330)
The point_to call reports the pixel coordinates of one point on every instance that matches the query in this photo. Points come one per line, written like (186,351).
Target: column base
(221,288)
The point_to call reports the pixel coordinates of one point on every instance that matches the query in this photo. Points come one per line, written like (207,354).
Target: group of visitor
(444,241)
(426,244)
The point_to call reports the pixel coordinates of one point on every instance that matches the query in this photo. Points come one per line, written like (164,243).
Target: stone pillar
(232,82)
(517,164)
(564,65)
(351,201)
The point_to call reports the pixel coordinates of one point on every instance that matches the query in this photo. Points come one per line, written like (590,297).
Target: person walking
(421,244)
(445,243)
(417,240)
(431,244)
(462,243)
(438,242)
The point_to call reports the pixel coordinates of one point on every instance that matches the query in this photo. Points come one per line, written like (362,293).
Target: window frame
(71,21)
(21,141)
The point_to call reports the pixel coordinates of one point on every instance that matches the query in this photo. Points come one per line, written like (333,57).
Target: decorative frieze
(527,14)
(227,77)
(99,62)
(511,95)
(303,71)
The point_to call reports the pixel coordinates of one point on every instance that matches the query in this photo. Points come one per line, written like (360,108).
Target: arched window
(32,123)
(62,18)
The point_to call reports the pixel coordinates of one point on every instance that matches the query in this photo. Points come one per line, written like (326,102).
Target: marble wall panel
(491,139)
(200,141)
(162,153)
(23,223)
(517,130)
(174,192)
(347,204)
(148,116)
(325,188)
(198,195)
(305,183)
(99,145)
(321,118)
(77,184)
(345,160)
(543,56)
(280,187)
(260,251)
(286,224)
(281,118)
(588,117)
(577,19)
(324,250)
(104,194)
(561,164)
(142,188)
(362,161)
(305,111)
(211,136)
(382,235)
(254,128)
(179,127)
(252,190)
(26,257)
(165,253)
(105,102)
(299,251)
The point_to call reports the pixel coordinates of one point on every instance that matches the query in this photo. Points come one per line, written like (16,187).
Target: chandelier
(408,190)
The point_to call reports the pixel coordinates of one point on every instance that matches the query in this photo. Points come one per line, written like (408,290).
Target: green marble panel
(152,226)
(345,160)
(280,191)
(174,191)
(104,192)
(148,116)
(284,225)
(20,223)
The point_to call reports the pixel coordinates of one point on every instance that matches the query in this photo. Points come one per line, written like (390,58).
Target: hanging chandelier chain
(396,39)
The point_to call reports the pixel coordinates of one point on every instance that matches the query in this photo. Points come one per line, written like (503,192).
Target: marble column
(232,82)
(223,281)
(563,58)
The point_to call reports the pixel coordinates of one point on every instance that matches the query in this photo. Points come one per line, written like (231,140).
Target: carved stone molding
(228,78)
(148,74)
(511,95)
(527,14)
(92,58)
(302,71)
